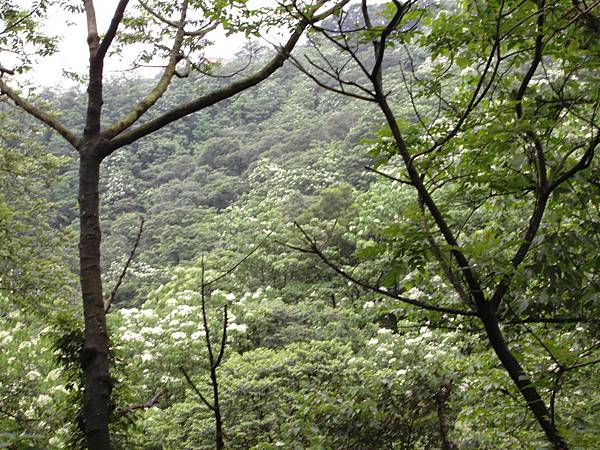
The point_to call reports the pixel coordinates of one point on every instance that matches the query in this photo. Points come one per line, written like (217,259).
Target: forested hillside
(390,242)
(184,179)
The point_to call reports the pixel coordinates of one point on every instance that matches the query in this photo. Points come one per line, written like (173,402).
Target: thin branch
(523,249)
(314,249)
(145,405)
(204,318)
(580,365)
(326,86)
(204,101)
(195,388)
(437,252)
(479,93)
(388,176)
(223,341)
(108,302)
(583,163)
(112,29)
(22,19)
(240,262)
(550,320)
(154,13)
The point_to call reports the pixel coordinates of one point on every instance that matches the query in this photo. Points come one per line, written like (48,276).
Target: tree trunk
(94,355)
(521,379)
(219,443)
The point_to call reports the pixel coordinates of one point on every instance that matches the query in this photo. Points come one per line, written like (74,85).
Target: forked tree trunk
(94,355)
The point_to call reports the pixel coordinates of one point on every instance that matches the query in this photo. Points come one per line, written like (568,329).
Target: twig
(239,263)
(108,302)
(195,388)
(149,404)
(315,250)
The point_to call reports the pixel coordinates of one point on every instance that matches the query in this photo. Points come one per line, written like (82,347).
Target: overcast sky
(73,52)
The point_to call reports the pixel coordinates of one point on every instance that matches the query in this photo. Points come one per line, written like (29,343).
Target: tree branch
(149,404)
(112,29)
(108,302)
(221,94)
(157,92)
(315,250)
(195,388)
(42,116)
(93,40)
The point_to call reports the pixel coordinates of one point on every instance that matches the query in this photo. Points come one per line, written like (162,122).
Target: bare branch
(211,358)
(240,262)
(583,163)
(202,102)
(145,405)
(108,302)
(580,365)
(326,86)
(195,389)
(315,250)
(158,15)
(223,341)
(112,29)
(93,39)
(388,176)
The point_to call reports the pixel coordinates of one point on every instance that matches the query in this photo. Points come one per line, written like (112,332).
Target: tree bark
(520,378)
(94,355)
(219,443)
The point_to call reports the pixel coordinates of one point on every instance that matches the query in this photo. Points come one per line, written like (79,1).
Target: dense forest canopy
(383,232)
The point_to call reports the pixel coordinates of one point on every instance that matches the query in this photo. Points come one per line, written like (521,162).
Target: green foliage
(313,361)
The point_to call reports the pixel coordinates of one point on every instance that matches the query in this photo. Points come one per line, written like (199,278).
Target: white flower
(130,336)
(178,335)
(147,313)
(43,399)
(469,71)
(33,375)
(54,374)
(373,341)
(196,335)
(167,379)
(368,305)
(5,337)
(401,372)
(240,328)
(415,293)
(147,356)
(230,297)
(151,330)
